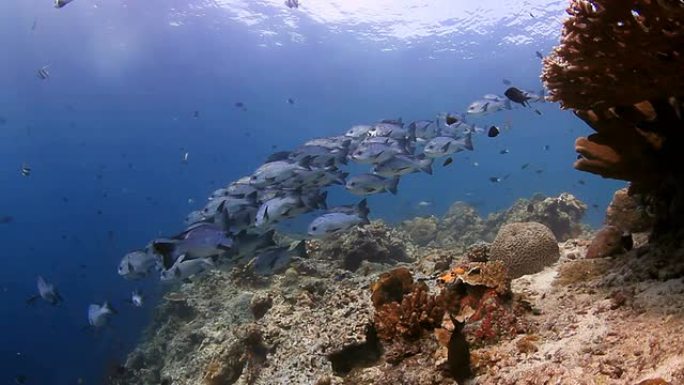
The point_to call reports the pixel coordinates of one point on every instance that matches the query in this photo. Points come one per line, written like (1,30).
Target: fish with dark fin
(62,3)
(517,96)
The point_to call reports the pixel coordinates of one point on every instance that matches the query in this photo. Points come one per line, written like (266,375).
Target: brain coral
(525,248)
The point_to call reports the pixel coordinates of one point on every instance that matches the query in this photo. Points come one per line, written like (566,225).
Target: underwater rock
(478,252)
(525,248)
(460,226)
(627,214)
(562,214)
(421,230)
(607,241)
(374,243)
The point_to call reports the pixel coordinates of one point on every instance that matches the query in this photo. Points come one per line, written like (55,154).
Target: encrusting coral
(619,67)
(525,248)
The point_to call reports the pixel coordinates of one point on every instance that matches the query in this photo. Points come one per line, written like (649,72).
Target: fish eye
(314,228)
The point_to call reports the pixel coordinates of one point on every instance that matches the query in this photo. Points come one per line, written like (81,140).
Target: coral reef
(562,214)
(607,241)
(627,214)
(421,230)
(460,226)
(440,318)
(619,67)
(404,308)
(525,248)
(374,243)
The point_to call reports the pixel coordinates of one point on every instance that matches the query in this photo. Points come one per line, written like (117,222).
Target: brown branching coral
(404,308)
(617,53)
(619,66)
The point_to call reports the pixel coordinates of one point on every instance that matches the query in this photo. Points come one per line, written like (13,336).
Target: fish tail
(300,249)
(469,142)
(393,185)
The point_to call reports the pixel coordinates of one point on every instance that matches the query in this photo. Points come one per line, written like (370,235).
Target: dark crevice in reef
(358,355)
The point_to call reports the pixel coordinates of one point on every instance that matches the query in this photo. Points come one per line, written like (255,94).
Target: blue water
(106,133)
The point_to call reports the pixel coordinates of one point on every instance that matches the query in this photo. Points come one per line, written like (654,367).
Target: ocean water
(134,86)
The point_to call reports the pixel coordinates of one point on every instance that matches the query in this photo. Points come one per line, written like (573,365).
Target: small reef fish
(137,298)
(43,73)
(368,184)
(186,156)
(448,161)
(25,169)
(292,4)
(424,204)
(506,82)
(99,315)
(497,179)
(62,3)
(522,97)
(504,151)
(248,244)
(290,101)
(338,221)
(493,132)
(539,54)
(47,292)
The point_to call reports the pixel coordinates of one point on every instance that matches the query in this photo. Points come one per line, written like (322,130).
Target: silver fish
(276,259)
(443,146)
(47,292)
(424,130)
(272,173)
(185,268)
(402,165)
(276,209)
(240,188)
(336,222)
(248,244)
(137,298)
(391,130)
(367,184)
(137,264)
(99,315)
(359,131)
(333,142)
(378,149)
(198,241)
(490,104)
(320,156)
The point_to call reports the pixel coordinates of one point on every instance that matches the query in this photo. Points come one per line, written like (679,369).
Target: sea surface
(137,124)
